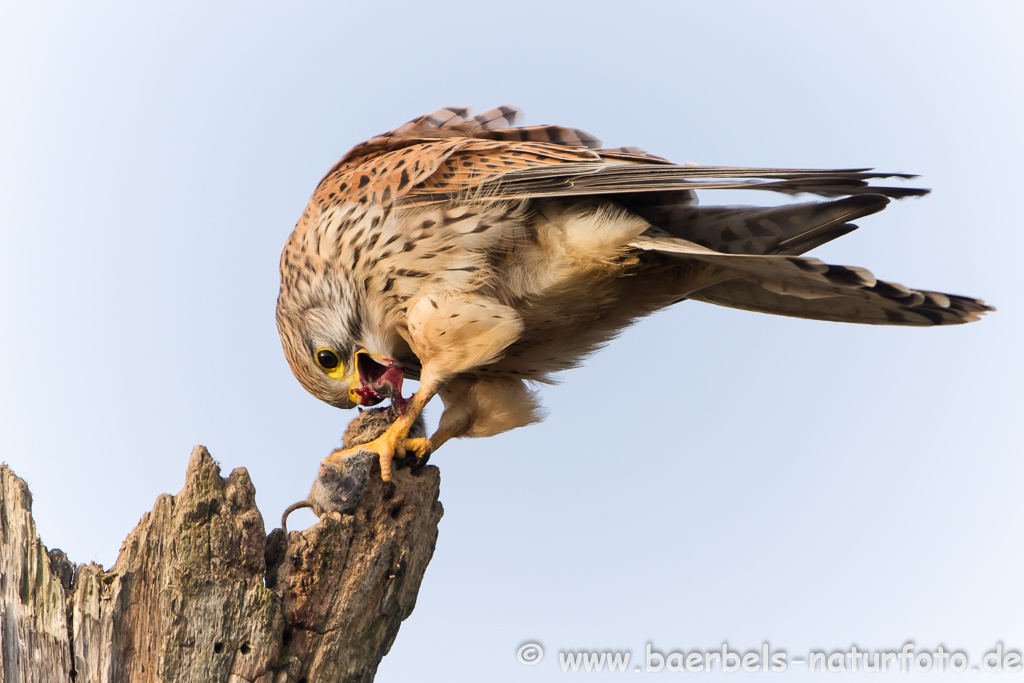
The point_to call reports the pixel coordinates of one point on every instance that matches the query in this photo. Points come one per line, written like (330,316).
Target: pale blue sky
(712,476)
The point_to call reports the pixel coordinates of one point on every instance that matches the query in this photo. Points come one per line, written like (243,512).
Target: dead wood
(199,592)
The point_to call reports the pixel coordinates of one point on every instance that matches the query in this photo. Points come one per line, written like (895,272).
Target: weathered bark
(35,643)
(200,593)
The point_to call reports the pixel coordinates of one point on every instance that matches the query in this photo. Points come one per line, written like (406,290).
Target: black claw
(411,461)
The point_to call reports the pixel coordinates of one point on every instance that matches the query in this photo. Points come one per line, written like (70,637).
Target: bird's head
(327,355)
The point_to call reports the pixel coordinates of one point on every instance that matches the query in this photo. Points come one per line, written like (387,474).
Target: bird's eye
(327,359)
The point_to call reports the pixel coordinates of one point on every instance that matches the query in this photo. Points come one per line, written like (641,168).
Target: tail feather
(809,288)
(935,308)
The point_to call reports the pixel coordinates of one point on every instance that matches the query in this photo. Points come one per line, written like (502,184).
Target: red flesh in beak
(381,379)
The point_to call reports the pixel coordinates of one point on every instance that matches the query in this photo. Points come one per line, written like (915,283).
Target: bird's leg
(447,431)
(421,448)
(394,440)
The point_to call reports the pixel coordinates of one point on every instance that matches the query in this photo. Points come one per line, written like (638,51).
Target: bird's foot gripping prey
(479,257)
(392,437)
(341,480)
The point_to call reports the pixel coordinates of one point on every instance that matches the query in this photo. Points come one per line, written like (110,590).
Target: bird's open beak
(377,377)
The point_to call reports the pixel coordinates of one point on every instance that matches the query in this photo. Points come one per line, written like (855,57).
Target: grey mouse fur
(370,424)
(340,483)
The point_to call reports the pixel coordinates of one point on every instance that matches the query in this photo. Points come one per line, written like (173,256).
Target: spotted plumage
(476,256)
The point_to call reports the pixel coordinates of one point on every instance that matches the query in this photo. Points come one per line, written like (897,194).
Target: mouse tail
(289,510)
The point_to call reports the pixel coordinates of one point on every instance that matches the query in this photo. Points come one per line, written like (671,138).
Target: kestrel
(478,257)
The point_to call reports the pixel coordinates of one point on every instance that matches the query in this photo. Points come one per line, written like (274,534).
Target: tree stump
(199,592)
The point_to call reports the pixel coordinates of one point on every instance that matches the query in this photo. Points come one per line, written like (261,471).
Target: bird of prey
(479,257)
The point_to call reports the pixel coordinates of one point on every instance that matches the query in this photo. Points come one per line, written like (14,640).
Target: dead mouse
(340,483)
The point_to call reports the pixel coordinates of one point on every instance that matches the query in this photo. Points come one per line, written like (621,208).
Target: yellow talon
(420,448)
(395,440)
(386,446)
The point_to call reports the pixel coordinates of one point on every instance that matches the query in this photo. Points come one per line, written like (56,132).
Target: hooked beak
(379,378)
